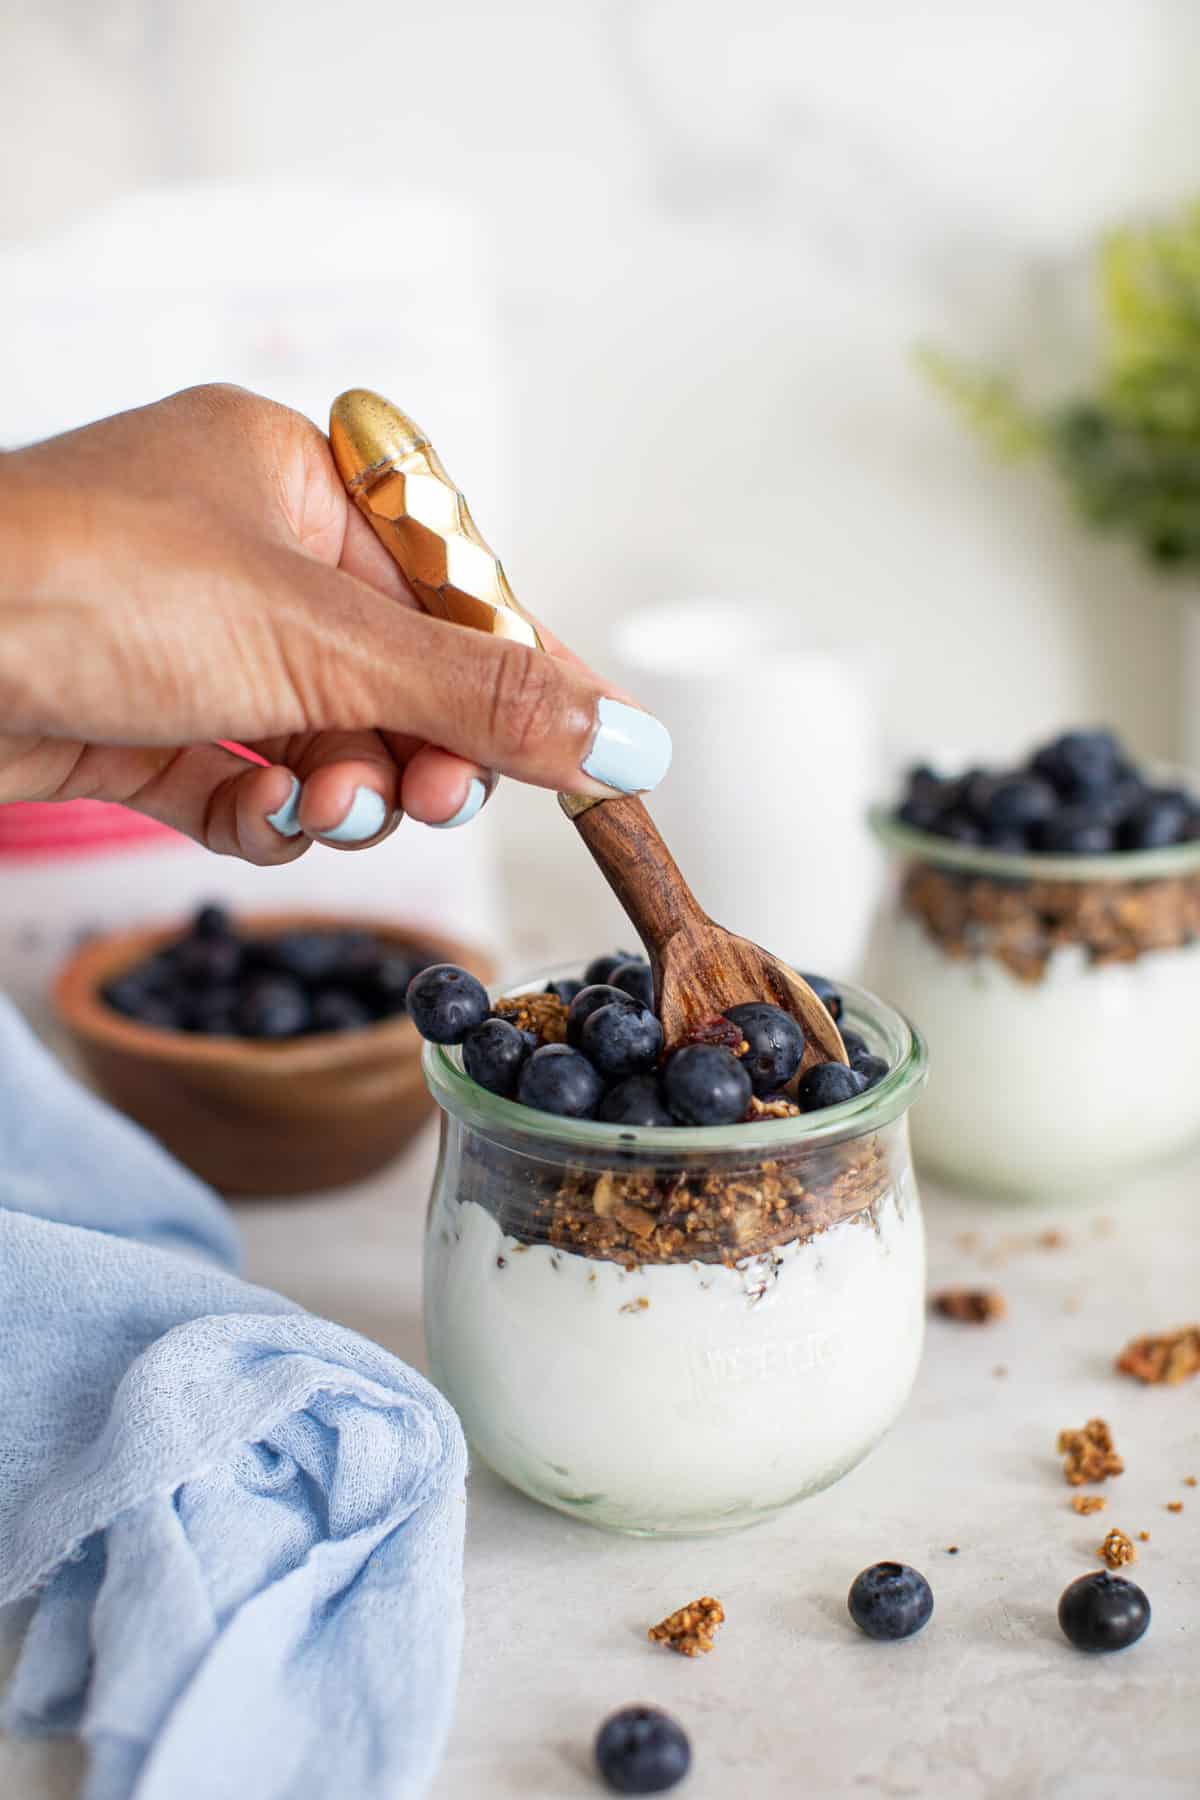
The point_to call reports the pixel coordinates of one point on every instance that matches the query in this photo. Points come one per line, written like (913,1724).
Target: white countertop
(989,1700)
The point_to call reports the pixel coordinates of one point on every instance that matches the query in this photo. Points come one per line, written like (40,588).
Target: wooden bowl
(252,1117)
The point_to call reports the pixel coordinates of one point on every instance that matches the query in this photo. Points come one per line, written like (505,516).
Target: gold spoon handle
(396,479)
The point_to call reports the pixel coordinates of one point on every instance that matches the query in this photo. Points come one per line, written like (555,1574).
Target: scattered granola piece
(1189,1481)
(970,1306)
(1089,1453)
(1143,1537)
(1089,1503)
(951,1549)
(1053,1240)
(967,1240)
(1000,1371)
(1117,1550)
(1174,1505)
(1072,1304)
(635,1306)
(1168,1357)
(691,1629)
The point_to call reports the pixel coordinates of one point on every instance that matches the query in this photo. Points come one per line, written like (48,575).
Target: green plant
(1129,452)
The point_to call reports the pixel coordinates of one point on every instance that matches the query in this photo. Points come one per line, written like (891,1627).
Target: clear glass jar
(676,1331)
(1060,997)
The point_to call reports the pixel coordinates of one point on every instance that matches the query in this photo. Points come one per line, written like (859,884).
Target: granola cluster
(1089,1454)
(545,1015)
(1117,1549)
(1088,1503)
(1167,1358)
(691,1629)
(970,1306)
(1022,923)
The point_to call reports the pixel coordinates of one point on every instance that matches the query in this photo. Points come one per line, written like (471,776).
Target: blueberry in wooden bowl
(272,1055)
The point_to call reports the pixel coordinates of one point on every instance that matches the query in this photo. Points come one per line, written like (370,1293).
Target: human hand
(192,573)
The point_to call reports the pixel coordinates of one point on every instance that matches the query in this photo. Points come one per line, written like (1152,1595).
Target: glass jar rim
(490,1114)
(1003,865)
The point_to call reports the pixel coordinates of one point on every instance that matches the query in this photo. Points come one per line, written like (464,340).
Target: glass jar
(1060,996)
(667,1330)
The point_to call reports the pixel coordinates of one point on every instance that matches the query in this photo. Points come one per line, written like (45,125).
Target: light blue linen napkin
(235,1530)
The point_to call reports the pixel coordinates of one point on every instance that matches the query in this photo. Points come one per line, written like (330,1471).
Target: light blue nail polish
(365,818)
(286,818)
(477,793)
(631,750)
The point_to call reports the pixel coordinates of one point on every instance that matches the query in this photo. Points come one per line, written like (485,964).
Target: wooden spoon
(700,970)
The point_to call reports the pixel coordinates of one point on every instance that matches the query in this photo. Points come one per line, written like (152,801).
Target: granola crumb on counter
(1167,1357)
(1088,1503)
(1143,1537)
(641,1304)
(543,1014)
(1175,1506)
(1053,1240)
(970,1306)
(1189,1481)
(951,1549)
(1000,1371)
(1089,1453)
(692,1628)
(1117,1549)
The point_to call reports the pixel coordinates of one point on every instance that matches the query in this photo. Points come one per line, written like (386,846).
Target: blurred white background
(665,264)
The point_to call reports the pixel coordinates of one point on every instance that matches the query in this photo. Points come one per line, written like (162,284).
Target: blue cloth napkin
(236,1529)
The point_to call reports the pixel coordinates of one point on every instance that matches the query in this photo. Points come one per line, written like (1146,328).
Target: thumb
(498,704)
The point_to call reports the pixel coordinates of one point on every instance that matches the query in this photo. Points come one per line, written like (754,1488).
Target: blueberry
(959,827)
(706,1085)
(922,815)
(308,955)
(557,1079)
(1014,803)
(635,1101)
(337,1009)
(444,1002)
(493,1054)
(601,967)
(828,1084)
(1080,764)
(776,1044)
(129,994)
(634,978)
(1076,831)
(565,990)
(273,1006)
(211,921)
(890,1600)
(210,1009)
(589,1000)
(1103,1612)
(1008,841)
(826,993)
(642,1751)
(855,1045)
(621,1040)
(205,961)
(1159,819)
(871,1068)
(386,988)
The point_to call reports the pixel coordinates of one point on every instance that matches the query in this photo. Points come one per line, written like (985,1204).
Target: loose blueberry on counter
(1076,831)
(706,1085)
(635,1101)
(826,993)
(621,1040)
(273,1006)
(890,1601)
(557,1079)
(642,1751)
(776,1044)
(494,1054)
(601,967)
(871,1068)
(1103,1612)
(444,1002)
(589,1000)
(564,990)
(828,1084)
(634,977)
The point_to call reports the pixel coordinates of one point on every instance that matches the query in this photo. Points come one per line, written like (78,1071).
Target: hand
(193,574)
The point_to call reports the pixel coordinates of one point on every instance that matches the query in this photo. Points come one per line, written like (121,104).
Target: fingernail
(631,750)
(365,818)
(286,818)
(477,793)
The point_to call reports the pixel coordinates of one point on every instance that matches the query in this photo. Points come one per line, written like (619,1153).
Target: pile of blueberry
(613,1066)
(1080,795)
(215,981)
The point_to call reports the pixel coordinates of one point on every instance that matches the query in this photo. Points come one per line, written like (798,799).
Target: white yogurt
(676,1397)
(1059,1084)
